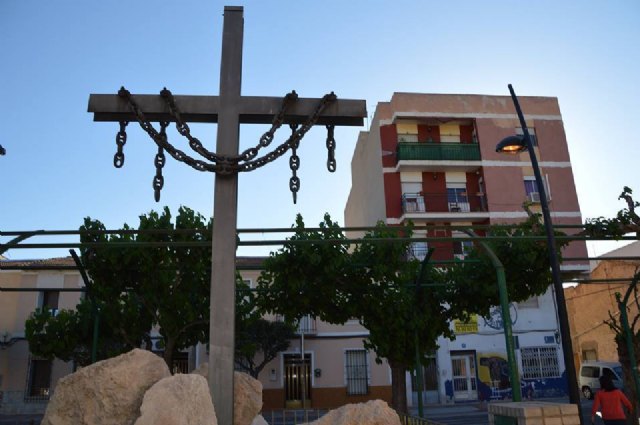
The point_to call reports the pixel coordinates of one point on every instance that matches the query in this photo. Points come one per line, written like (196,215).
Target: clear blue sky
(53,54)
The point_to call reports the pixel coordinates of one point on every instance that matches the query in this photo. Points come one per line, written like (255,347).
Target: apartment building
(325,365)
(431,159)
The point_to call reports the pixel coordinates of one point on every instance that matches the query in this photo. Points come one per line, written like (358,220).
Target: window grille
(540,362)
(356,370)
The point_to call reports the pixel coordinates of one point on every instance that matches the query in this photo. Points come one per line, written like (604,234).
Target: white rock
(259,420)
(247,397)
(108,392)
(374,412)
(178,400)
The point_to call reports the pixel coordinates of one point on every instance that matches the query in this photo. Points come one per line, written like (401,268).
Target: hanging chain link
(221,164)
(331,149)
(159,161)
(294,164)
(121,139)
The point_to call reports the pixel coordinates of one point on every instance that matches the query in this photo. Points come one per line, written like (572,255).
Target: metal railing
(438,151)
(292,416)
(442,202)
(414,420)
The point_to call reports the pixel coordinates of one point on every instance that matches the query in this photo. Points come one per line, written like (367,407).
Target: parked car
(591,371)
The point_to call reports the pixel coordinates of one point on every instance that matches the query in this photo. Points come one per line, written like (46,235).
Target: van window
(590,371)
(618,371)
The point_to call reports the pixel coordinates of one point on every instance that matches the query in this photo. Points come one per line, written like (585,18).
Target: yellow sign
(468,327)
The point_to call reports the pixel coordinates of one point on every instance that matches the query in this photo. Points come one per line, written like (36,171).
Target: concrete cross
(229,110)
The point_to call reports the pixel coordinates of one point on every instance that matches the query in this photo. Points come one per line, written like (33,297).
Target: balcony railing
(442,202)
(438,151)
(306,324)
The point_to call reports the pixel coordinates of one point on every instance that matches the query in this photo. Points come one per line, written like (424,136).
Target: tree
(165,285)
(262,336)
(473,287)
(403,315)
(626,221)
(376,284)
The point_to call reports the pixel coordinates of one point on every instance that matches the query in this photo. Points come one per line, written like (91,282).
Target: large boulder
(247,395)
(374,412)
(178,400)
(108,392)
(259,420)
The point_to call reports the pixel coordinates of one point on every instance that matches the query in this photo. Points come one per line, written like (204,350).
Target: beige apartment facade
(335,369)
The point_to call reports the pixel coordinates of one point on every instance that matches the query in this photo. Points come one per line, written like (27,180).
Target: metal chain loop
(331,149)
(159,161)
(121,139)
(294,164)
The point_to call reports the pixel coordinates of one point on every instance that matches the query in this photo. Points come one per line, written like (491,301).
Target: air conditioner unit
(459,257)
(534,197)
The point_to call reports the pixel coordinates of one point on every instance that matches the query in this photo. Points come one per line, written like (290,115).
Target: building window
(39,379)
(50,301)
(532,134)
(461,248)
(356,372)
(540,362)
(418,251)
(457,198)
(589,354)
(532,191)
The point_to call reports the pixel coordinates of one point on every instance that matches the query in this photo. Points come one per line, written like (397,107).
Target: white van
(591,371)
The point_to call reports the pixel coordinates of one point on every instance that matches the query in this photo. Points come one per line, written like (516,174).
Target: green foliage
(261,336)
(472,284)
(316,273)
(625,221)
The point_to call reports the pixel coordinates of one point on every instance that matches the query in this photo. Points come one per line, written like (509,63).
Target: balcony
(438,152)
(444,205)
(306,325)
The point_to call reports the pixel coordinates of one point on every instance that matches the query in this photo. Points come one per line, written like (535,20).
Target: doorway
(463,366)
(297,381)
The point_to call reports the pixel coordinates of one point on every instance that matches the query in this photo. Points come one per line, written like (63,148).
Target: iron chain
(294,164)
(121,139)
(331,149)
(225,165)
(159,161)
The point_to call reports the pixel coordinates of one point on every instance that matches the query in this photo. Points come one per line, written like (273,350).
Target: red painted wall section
(388,142)
(393,195)
(466,134)
(435,199)
(473,188)
(442,250)
(429,133)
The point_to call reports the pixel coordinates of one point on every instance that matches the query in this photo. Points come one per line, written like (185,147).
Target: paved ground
(455,414)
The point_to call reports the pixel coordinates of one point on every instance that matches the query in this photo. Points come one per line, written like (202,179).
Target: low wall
(533,413)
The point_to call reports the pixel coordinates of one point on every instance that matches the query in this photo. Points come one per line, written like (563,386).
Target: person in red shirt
(609,400)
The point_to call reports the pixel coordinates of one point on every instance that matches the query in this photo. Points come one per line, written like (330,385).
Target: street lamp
(514,145)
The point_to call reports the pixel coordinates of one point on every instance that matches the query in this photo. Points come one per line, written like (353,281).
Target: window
(532,191)
(532,134)
(457,198)
(418,250)
(590,371)
(540,362)
(39,379)
(461,249)
(589,354)
(50,301)
(356,372)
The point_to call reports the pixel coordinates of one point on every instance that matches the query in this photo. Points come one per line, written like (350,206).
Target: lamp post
(517,144)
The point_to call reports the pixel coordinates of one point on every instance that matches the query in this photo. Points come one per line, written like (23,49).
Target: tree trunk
(629,383)
(170,344)
(398,388)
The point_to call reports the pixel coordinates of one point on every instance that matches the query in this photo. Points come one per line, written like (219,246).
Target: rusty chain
(225,165)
